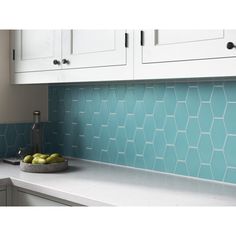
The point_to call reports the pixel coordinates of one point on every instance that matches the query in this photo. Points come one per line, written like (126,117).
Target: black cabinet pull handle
(65,61)
(56,62)
(230,45)
(142,38)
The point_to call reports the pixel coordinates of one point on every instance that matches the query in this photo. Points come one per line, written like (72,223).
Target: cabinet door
(184,53)
(3,196)
(25,197)
(179,45)
(93,48)
(36,50)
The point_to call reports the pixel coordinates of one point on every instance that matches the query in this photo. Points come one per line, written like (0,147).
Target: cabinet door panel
(93,48)
(3,198)
(35,50)
(29,199)
(180,45)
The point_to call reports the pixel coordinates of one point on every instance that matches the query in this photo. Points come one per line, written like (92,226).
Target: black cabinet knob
(65,61)
(56,62)
(230,45)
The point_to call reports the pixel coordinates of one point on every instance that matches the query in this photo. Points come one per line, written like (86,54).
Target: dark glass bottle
(36,133)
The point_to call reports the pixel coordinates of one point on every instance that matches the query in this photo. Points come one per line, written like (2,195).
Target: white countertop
(98,184)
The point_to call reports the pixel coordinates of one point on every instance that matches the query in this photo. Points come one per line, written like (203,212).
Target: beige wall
(17,102)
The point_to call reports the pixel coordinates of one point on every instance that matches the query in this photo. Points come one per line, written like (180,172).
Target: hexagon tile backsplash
(182,128)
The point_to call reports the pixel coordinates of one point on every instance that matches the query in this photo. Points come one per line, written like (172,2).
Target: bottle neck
(36,117)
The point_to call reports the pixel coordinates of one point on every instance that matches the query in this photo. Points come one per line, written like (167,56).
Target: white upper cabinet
(184,53)
(51,56)
(93,48)
(48,56)
(36,50)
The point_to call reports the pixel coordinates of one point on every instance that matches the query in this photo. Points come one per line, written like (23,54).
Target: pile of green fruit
(39,158)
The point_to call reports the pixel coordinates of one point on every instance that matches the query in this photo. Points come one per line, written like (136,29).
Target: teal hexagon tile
(121,112)
(230,151)
(205,90)
(61,92)
(205,148)
(205,117)
(159,90)
(130,153)
(104,91)
(149,100)
(67,145)
(11,135)
(230,175)
(181,116)
(181,90)
(170,159)
(74,134)
(218,102)
(139,141)
(112,150)
(193,101)
(218,165)
(81,99)
(193,131)
(159,165)
(121,159)
(75,152)
(230,116)
(68,99)
(193,162)
(160,114)
(170,130)
(81,122)
(139,162)
(149,128)
(96,121)
(111,101)
(205,172)
(88,112)
(120,91)
(139,90)
(104,112)
(20,128)
(3,146)
(139,113)
(67,123)
(159,143)
(170,101)
(229,88)
(104,137)
(130,126)
(104,156)
(181,168)
(218,134)
(74,111)
(181,146)
(96,146)
(96,99)
(149,155)
(112,124)
(121,139)
(3,129)
(11,151)
(130,100)
(74,93)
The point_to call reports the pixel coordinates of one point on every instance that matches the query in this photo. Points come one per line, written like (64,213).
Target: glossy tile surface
(183,128)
